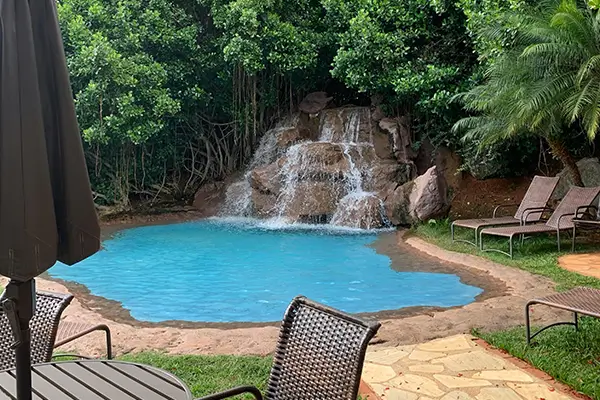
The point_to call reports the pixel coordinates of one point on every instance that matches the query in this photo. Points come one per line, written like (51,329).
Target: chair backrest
(537,196)
(320,353)
(43,325)
(576,197)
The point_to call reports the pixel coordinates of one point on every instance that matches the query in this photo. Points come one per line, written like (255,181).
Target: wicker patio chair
(530,210)
(320,355)
(561,219)
(45,326)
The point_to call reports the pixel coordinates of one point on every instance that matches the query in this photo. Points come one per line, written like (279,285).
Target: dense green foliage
(174,93)
(545,82)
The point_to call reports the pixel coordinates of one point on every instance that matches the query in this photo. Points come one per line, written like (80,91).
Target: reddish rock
(398,130)
(313,199)
(288,137)
(390,172)
(420,200)
(448,164)
(349,124)
(209,198)
(363,211)
(314,103)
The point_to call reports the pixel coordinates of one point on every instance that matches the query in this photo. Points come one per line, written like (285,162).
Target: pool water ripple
(221,271)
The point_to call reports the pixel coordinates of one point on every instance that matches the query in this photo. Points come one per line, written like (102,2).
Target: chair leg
(510,246)
(452,232)
(576,318)
(108,341)
(558,239)
(573,243)
(528,324)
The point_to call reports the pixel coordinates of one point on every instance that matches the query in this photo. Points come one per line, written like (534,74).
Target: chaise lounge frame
(571,206)
(530,209)
(580,301)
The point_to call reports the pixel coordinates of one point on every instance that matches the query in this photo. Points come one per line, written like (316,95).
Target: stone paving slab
(453,368)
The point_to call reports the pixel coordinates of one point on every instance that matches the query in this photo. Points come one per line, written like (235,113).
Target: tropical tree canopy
(171,94)
(545,81)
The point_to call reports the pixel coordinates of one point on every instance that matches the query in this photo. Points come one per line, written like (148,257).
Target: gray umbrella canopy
(46,207)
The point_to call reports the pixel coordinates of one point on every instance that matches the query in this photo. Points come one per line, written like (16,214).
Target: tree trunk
(559,150)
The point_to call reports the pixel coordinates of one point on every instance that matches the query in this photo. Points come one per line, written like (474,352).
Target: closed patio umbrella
(46,206)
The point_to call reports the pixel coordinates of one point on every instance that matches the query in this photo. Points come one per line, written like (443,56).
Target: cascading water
(238,200)
(321,180)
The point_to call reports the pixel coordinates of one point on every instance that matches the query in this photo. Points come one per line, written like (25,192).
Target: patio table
(97,380)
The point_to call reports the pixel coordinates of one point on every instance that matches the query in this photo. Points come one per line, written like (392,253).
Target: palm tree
(547,80)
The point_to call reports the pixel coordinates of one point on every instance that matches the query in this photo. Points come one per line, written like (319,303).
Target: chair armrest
(83,330)
(234,392)
(560,219)
(501,206)
(585,209)
(533,210)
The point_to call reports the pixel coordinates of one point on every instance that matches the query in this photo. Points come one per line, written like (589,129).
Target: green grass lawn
(538,254)
(568,356)
(210,374)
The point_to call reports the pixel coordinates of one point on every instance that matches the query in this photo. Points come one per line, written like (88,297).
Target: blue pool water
(215,271)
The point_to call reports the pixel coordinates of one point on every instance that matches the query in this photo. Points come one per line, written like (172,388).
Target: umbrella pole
(18,302)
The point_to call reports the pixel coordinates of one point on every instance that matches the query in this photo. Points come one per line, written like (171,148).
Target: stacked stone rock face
(337,166)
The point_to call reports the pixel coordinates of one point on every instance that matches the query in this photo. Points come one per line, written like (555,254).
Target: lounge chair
(575,200)
(45,327)
(536,198)
(320,355)
(580,301)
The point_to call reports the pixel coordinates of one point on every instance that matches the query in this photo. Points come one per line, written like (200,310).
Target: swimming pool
(243,271)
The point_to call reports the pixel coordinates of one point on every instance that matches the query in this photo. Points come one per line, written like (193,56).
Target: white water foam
(341,127)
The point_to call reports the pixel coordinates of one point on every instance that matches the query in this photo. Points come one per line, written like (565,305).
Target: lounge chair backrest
(320,353)
(43,325)
(537,196)
(576,197)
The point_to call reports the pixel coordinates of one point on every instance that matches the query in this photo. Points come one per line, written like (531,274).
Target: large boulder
(420,200)
(386,173)
(314,103)
(266,179)
(320,161)
(590,174)
(448,164)
(209,198)
(266,186)
(287,137)
(361,211)
(313,199)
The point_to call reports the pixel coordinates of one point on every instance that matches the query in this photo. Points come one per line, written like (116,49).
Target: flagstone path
(584,264)
(453,368)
